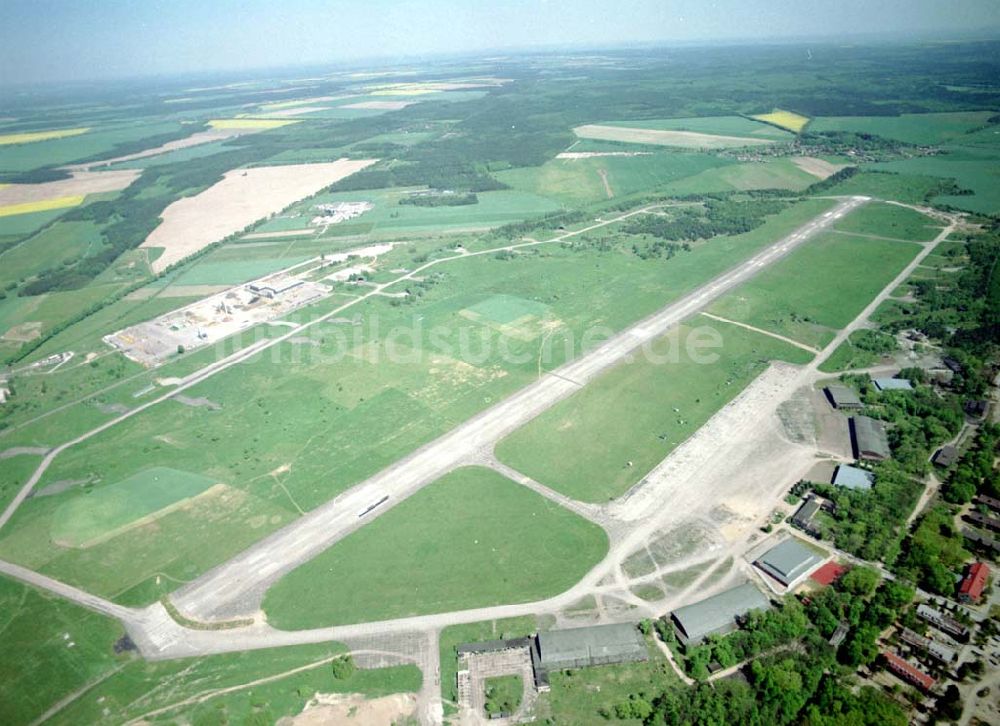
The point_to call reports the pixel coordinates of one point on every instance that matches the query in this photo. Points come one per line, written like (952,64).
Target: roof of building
(718,613)
(990,502)
(828,573)
(943,620)
(595,641)
(806,511)
(493,646)
(910,672)
(981,539)
(851,477)
(870,437)
(893,384)
(842,396)
(946,455)
(788,561)
(974,581)
(977,518)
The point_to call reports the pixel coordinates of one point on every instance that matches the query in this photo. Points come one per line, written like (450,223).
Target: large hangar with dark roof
(590,646)
(870,441)
(718,614)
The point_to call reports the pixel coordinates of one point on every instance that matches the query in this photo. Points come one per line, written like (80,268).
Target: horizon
(385,33)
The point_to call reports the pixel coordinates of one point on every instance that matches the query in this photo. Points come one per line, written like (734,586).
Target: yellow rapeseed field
(44,205)
(31,136)
(785,119)
(248,123)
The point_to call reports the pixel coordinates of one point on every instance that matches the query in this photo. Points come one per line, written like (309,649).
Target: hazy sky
(42,40)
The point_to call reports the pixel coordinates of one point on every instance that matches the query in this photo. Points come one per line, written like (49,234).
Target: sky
(66,40)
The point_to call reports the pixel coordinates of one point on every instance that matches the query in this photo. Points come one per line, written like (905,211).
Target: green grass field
(99,515)
(50,648)
(389,218)
(577,181)
(889,220)
(23,157)
(469,540)
(818,288)
(975,169)
(363,410)
(860,350)
(62,241)
(596,444)
(924,129)
(908,188)
(770,174)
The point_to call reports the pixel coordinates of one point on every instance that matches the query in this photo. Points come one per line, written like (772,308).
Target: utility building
(718,614)
(869,439)
(590,646)
(893,384)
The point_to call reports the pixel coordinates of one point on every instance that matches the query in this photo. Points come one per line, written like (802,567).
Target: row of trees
(714,217)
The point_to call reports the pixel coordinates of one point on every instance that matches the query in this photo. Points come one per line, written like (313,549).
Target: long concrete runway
(236,587)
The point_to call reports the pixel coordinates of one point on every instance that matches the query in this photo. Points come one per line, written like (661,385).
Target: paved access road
(236,587)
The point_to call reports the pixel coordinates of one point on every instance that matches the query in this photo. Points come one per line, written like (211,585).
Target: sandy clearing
(241,198)
(294,111)
(659,137)
(81,183)
(817,167)
(598,154)
(354,708)
(381,105)
(195,139)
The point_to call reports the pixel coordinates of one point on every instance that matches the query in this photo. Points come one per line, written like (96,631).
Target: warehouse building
(869,439)
(842,397)
(718,614)
(851,477)
(591,646)
(271,287)
(788,562)
(892,384)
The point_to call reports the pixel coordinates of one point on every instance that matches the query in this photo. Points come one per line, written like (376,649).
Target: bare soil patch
(817,167)
(241,198)
(380,105)
(660,137)
(80,184)
(354,708)
(196,139)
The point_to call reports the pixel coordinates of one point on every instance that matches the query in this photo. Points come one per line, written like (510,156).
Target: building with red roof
(908,672)
(828,573)
(974,582)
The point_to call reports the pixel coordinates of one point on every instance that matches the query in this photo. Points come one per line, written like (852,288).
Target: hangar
(788,562)
(869,439)
(718,614)
(843,397)
(590,646)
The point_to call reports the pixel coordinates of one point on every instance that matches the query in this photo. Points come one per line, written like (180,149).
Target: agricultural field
(31,137)
(819,288)
(788,120)
(770,174)
(599,442)
(599,178)
(921,129)
(666,137)
(471,539)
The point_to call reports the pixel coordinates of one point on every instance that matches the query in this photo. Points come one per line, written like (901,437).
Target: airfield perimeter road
(235,588)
